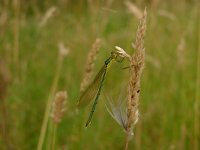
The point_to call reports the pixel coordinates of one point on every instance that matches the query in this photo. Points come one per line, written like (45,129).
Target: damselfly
(94,89)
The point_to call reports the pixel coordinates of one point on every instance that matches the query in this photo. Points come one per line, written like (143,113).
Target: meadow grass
(167,98)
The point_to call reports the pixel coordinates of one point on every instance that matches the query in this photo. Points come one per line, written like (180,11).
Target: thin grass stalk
(49,135)
(49,13)
(197,95)
(135,10)
(180,51)
(16,7)
(4,125)
(49,102)
(126,142)
(58,108)
(54,136)
(63,52)
(183,136)
(4,83)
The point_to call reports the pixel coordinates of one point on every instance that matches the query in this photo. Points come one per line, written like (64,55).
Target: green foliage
(167,91)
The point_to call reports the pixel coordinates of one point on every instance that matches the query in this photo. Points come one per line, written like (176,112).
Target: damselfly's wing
(89,94)
(96,99)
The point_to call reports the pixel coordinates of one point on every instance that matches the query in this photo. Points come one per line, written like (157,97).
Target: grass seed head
(90,64)
(58,106)
(63,51)
(49,13)
(180,53)
(134,9)
(137,62)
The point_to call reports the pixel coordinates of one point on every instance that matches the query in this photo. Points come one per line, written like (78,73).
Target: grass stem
(197,95)
(48,106)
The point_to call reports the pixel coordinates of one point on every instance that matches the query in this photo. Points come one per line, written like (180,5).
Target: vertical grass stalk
(54,136)
(197,94)
(58,108)
(50,99)
(16,7)
(4,84)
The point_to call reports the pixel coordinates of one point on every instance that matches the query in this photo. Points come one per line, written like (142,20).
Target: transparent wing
(89,94)
(96,100)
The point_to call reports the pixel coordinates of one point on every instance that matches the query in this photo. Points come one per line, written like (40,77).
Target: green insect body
(94,89)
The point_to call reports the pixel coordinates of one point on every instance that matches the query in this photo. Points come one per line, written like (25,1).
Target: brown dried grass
(137,65)
(89,67)
(58,106)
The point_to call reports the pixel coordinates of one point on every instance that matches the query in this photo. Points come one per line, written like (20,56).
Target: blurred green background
(29,56)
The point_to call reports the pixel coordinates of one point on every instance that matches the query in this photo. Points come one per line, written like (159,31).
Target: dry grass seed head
(90,64)
(63,51)
(137,61)
(134,9)
(58,106)
(180,53)
(49,13)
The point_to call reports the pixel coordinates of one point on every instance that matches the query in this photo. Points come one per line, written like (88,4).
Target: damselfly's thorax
(114,56)
(117,56)
(108,60)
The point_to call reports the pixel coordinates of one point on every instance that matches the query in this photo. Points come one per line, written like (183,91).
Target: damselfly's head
(119,54)
(116,56)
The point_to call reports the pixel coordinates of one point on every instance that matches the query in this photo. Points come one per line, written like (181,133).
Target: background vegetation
(29,54)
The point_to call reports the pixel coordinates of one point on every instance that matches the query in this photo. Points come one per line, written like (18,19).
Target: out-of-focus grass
(167,92)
